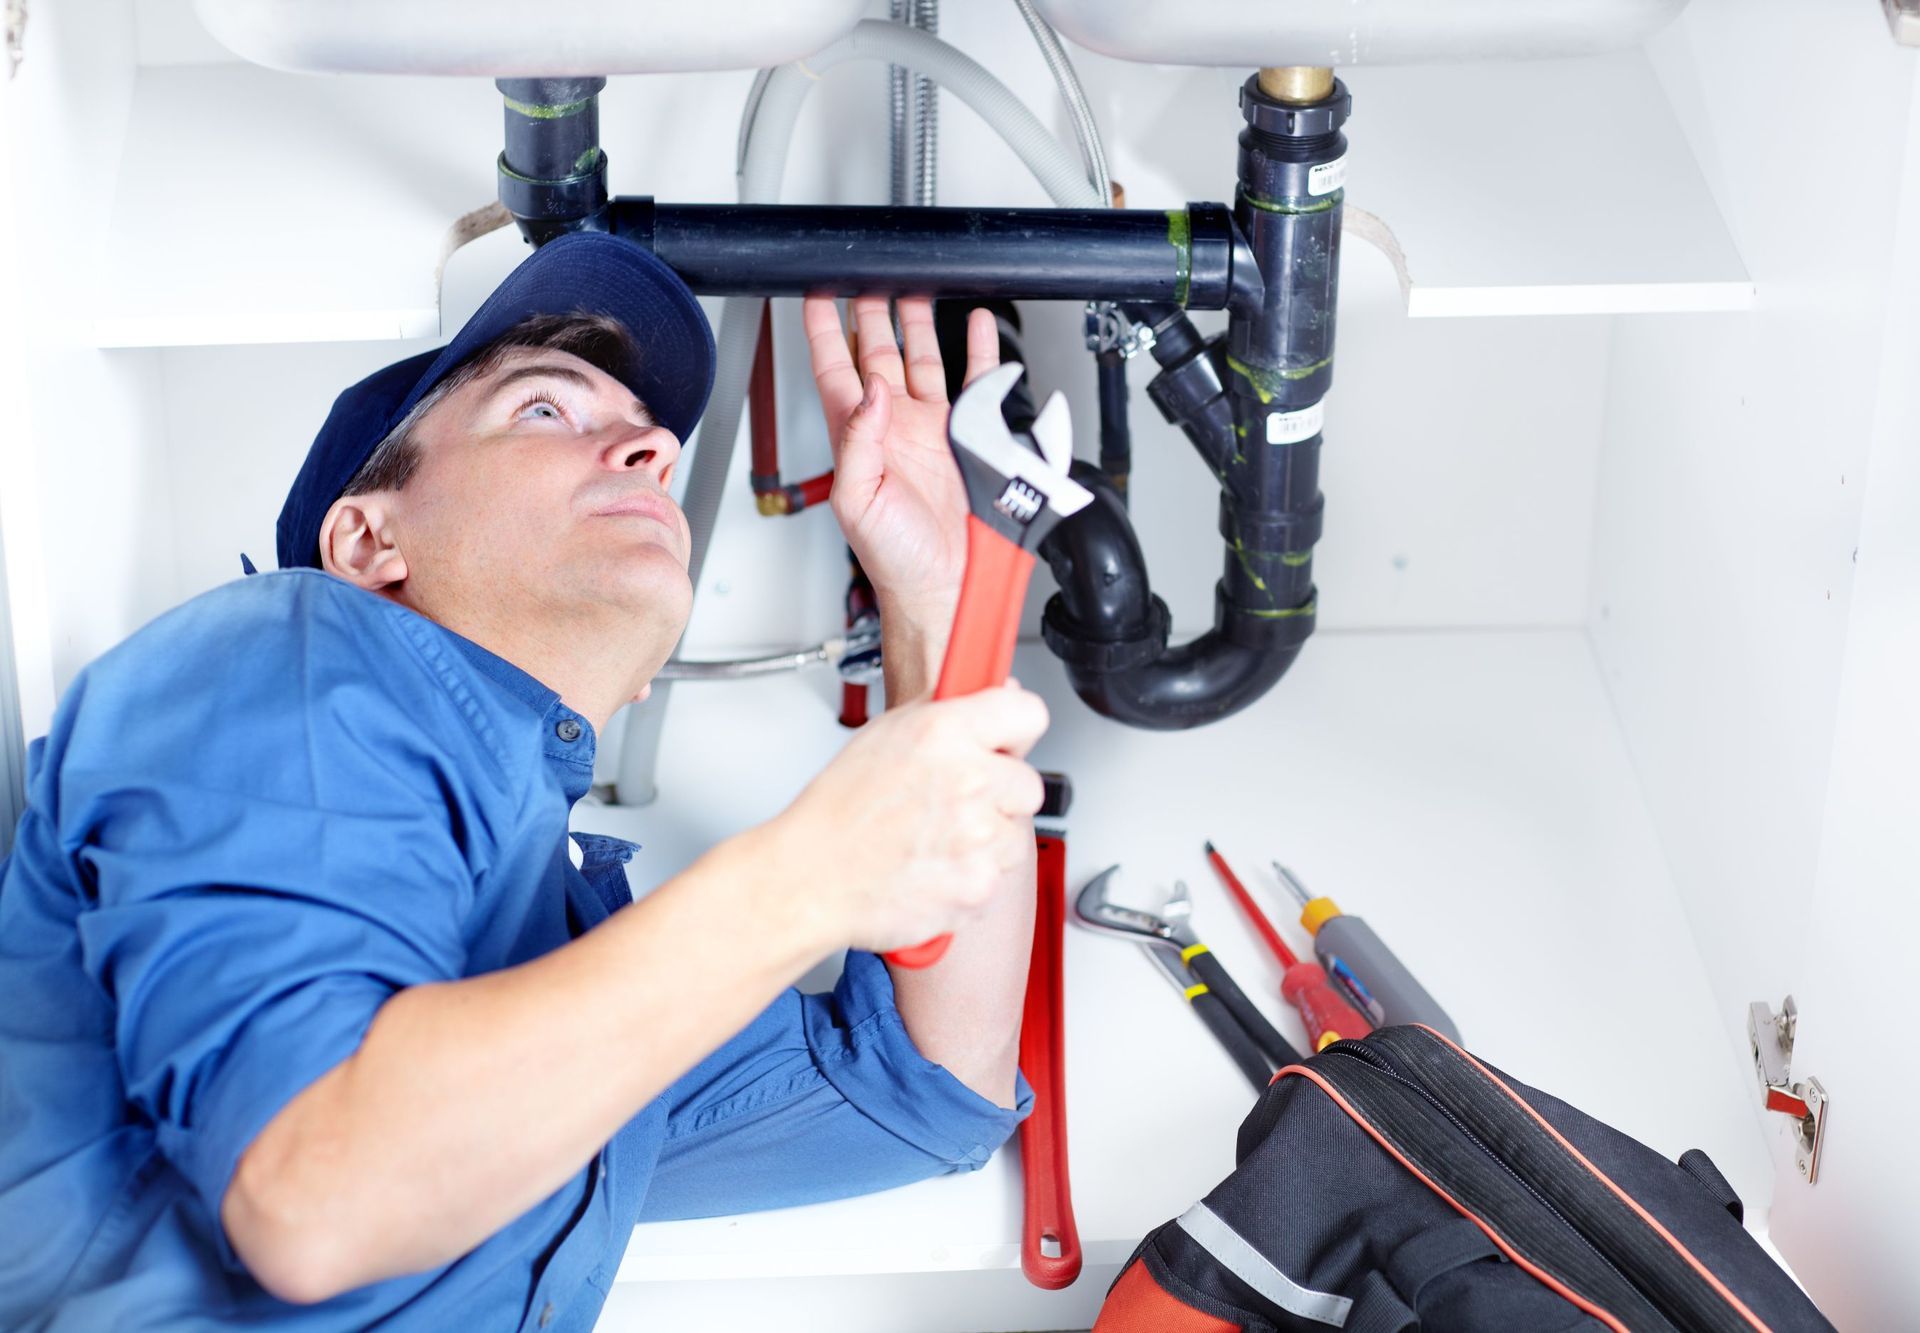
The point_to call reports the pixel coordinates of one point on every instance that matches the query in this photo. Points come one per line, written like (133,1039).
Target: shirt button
(568,730)
(546,1314)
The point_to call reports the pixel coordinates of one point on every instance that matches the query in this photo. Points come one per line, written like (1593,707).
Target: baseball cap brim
(670,368)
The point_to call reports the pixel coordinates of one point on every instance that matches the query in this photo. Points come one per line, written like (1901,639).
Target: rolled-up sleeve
(246,945)
(267,846)
(820,1097)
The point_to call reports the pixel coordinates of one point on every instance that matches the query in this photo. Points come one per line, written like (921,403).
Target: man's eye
(543,406)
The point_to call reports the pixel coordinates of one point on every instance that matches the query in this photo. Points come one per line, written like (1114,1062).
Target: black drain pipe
(1260,436)
(553,173)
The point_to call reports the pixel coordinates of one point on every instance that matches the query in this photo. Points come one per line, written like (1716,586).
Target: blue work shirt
(250,825)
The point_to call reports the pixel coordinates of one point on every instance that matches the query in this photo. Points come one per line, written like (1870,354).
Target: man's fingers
(1018,791)
(879,354)
(1008,719)
(833,372)
(983,343)
(926,375)
(858,459)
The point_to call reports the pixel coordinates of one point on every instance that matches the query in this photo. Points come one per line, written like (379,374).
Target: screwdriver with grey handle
(1362,967)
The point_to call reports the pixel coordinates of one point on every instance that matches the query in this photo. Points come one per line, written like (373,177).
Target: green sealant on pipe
(506,170)
(1295,559)
(540,111)
(586,162)
(1180,237)
(1322,205)
(1306,610)
(1240,553)
(1266,380)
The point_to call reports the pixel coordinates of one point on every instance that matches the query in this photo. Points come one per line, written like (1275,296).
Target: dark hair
(600,340)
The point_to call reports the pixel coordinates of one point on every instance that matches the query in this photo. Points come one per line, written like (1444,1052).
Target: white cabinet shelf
(1554,187)
(1469,793)
(258,206)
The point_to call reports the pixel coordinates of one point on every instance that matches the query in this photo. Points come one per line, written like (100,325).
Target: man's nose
(654,448)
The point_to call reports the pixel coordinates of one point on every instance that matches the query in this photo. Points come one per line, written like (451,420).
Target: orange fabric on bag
(1138,1304)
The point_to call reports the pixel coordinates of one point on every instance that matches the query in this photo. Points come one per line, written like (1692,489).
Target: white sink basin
(1249,33)
(515,37)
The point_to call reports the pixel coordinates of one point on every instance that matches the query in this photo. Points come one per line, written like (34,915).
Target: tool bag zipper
(1567,1223)
(1360,1051)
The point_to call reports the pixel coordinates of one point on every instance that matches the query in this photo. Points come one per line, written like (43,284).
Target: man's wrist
(913,642)
(764,862)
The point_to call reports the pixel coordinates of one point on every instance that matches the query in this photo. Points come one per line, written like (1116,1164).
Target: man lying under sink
(309,999)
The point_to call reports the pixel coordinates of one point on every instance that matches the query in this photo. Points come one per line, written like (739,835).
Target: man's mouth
(640,505)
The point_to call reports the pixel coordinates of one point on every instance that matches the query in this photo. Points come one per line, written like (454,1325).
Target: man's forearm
(963,1012)
(470,1101)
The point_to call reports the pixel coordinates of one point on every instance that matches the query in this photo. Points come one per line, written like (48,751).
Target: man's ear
(357,541)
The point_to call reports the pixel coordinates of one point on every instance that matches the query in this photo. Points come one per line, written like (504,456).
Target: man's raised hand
(897,491)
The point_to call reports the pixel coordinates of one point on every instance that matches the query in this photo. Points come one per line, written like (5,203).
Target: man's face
(542,490)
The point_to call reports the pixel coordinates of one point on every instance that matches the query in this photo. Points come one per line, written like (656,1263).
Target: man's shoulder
(273,652)
(259,625)
(293,673)
(283,598)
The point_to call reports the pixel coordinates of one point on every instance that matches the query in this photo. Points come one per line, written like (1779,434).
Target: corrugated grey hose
(898,163)
(926,113)
(764,163)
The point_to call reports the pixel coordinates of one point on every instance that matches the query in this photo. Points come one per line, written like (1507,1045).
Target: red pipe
(772,495)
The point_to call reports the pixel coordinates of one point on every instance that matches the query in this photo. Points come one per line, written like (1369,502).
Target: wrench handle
(1233,1038)
(986,624)
(1266,1037)
(986,627)
(1043,1135)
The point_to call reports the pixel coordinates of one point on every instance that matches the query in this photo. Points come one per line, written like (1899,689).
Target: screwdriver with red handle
(1305,986)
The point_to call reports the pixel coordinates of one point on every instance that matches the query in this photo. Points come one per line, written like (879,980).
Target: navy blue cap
(671,370)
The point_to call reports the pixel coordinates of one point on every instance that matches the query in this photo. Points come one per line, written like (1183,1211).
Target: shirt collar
(570,740)
(511,678)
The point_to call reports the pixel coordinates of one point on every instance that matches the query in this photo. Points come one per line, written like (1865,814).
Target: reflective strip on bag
(1232,1252)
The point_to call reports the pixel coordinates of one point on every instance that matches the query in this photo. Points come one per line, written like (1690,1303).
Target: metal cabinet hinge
(1903,17)
(16,34)
(1771,1037)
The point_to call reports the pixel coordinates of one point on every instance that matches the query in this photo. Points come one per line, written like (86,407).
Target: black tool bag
(1398,1183)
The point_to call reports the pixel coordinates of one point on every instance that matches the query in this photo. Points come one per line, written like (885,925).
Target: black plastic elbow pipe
(1110,630)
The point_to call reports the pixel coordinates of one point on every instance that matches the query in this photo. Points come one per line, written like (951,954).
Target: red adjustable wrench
(1016,492)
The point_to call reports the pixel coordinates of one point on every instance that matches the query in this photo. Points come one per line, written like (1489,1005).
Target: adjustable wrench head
(1178,909)
(1018,488)
(1095,912)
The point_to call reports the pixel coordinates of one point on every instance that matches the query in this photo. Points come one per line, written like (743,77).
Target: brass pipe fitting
(1300,85)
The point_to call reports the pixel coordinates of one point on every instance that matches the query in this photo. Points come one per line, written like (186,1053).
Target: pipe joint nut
(569,199)
(1285,120)
(1103,657)
(1284,533)
(1263,630)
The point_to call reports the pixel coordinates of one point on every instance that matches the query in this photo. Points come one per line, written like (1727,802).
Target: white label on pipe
(1328,176)
(1293,427)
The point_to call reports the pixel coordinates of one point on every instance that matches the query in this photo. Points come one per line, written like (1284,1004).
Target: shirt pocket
(599,884)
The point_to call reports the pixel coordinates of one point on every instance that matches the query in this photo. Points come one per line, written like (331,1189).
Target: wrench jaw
(1018,487)
(1152,933)
(1177,913)
(1093,911)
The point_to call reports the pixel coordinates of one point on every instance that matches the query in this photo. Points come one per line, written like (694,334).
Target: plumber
(311,1001)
